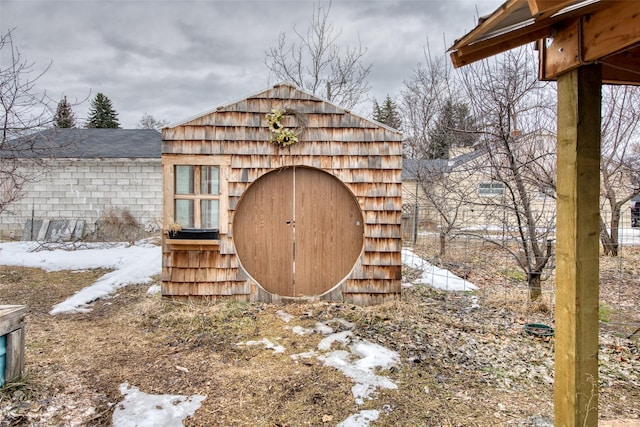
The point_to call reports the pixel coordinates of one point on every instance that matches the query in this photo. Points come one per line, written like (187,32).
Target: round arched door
(298,231)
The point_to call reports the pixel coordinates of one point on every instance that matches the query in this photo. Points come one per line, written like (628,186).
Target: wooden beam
(562,54)
(541,9)
(484,49)
(577,250)
(623,68)
(611,29)
(485,25)
(467,50)
(592,37)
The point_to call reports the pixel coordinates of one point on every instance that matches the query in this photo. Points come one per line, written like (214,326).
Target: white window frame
(490,189)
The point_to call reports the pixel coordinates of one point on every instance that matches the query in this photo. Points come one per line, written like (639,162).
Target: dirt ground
(465,359)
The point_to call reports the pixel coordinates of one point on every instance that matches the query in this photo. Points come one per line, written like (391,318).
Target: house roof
(467,157)
(412,169)
(86,144)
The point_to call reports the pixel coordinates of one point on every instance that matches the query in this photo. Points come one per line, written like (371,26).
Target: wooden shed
(301,197)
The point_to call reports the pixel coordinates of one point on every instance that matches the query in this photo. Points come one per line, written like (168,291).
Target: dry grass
(459,366)
(117,225)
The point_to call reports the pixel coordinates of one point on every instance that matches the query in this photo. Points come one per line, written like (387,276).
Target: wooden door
(298,231)
(328,234)
(263,231)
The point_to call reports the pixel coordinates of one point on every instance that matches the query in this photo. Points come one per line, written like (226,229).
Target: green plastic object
(539,329)
(3,358)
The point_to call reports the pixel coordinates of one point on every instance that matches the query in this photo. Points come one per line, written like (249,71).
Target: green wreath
(280,134)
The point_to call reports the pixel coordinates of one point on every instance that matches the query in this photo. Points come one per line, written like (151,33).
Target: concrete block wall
(85,189)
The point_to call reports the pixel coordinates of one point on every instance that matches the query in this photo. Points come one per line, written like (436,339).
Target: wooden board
(15,355)
(329,231)
(263,231)
(577,248)
(12,317)
(298,231)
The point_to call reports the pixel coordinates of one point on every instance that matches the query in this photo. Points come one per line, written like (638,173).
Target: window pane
(209,212)
(184,179)
(184,213)
(497,188)
(491,188)
(210,180)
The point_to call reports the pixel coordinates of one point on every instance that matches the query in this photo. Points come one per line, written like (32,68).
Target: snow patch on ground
(434,276)
(284,316)
(360,364)
(299,330)
(154,289)
(305,355)
(147,410)
(359,361)
(323,328)
(132,264)
(343,337)
(268,344)
(361,419)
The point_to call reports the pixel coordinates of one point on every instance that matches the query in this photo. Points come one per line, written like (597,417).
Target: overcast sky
(175,59)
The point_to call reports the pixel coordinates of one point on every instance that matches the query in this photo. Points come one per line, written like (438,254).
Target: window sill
(192,244)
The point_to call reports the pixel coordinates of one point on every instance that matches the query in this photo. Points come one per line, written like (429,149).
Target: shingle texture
(87,144)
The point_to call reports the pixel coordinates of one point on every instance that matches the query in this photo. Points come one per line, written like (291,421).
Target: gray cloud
(174,59)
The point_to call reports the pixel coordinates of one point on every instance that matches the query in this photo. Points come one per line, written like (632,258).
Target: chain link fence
(482,252)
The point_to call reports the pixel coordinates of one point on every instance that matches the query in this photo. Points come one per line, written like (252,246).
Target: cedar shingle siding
(366,157)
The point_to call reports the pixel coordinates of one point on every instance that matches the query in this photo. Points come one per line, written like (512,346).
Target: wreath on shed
(280,134)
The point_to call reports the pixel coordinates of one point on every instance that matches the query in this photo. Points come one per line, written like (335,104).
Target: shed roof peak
(281,93)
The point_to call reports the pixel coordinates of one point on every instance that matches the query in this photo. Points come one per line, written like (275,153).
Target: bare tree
(316,62)
(437,122)
(149,122)
(24,111)
(620,159)
(443,187)
(422,96)
(516,118)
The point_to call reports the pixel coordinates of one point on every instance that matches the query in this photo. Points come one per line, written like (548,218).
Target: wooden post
(577,248)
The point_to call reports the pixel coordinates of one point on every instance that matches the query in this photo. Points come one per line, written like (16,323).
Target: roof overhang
(568,33)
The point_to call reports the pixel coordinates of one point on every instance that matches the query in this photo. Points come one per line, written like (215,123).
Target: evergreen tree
(64,117)
(102,114)
(387,113)
(455,127)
